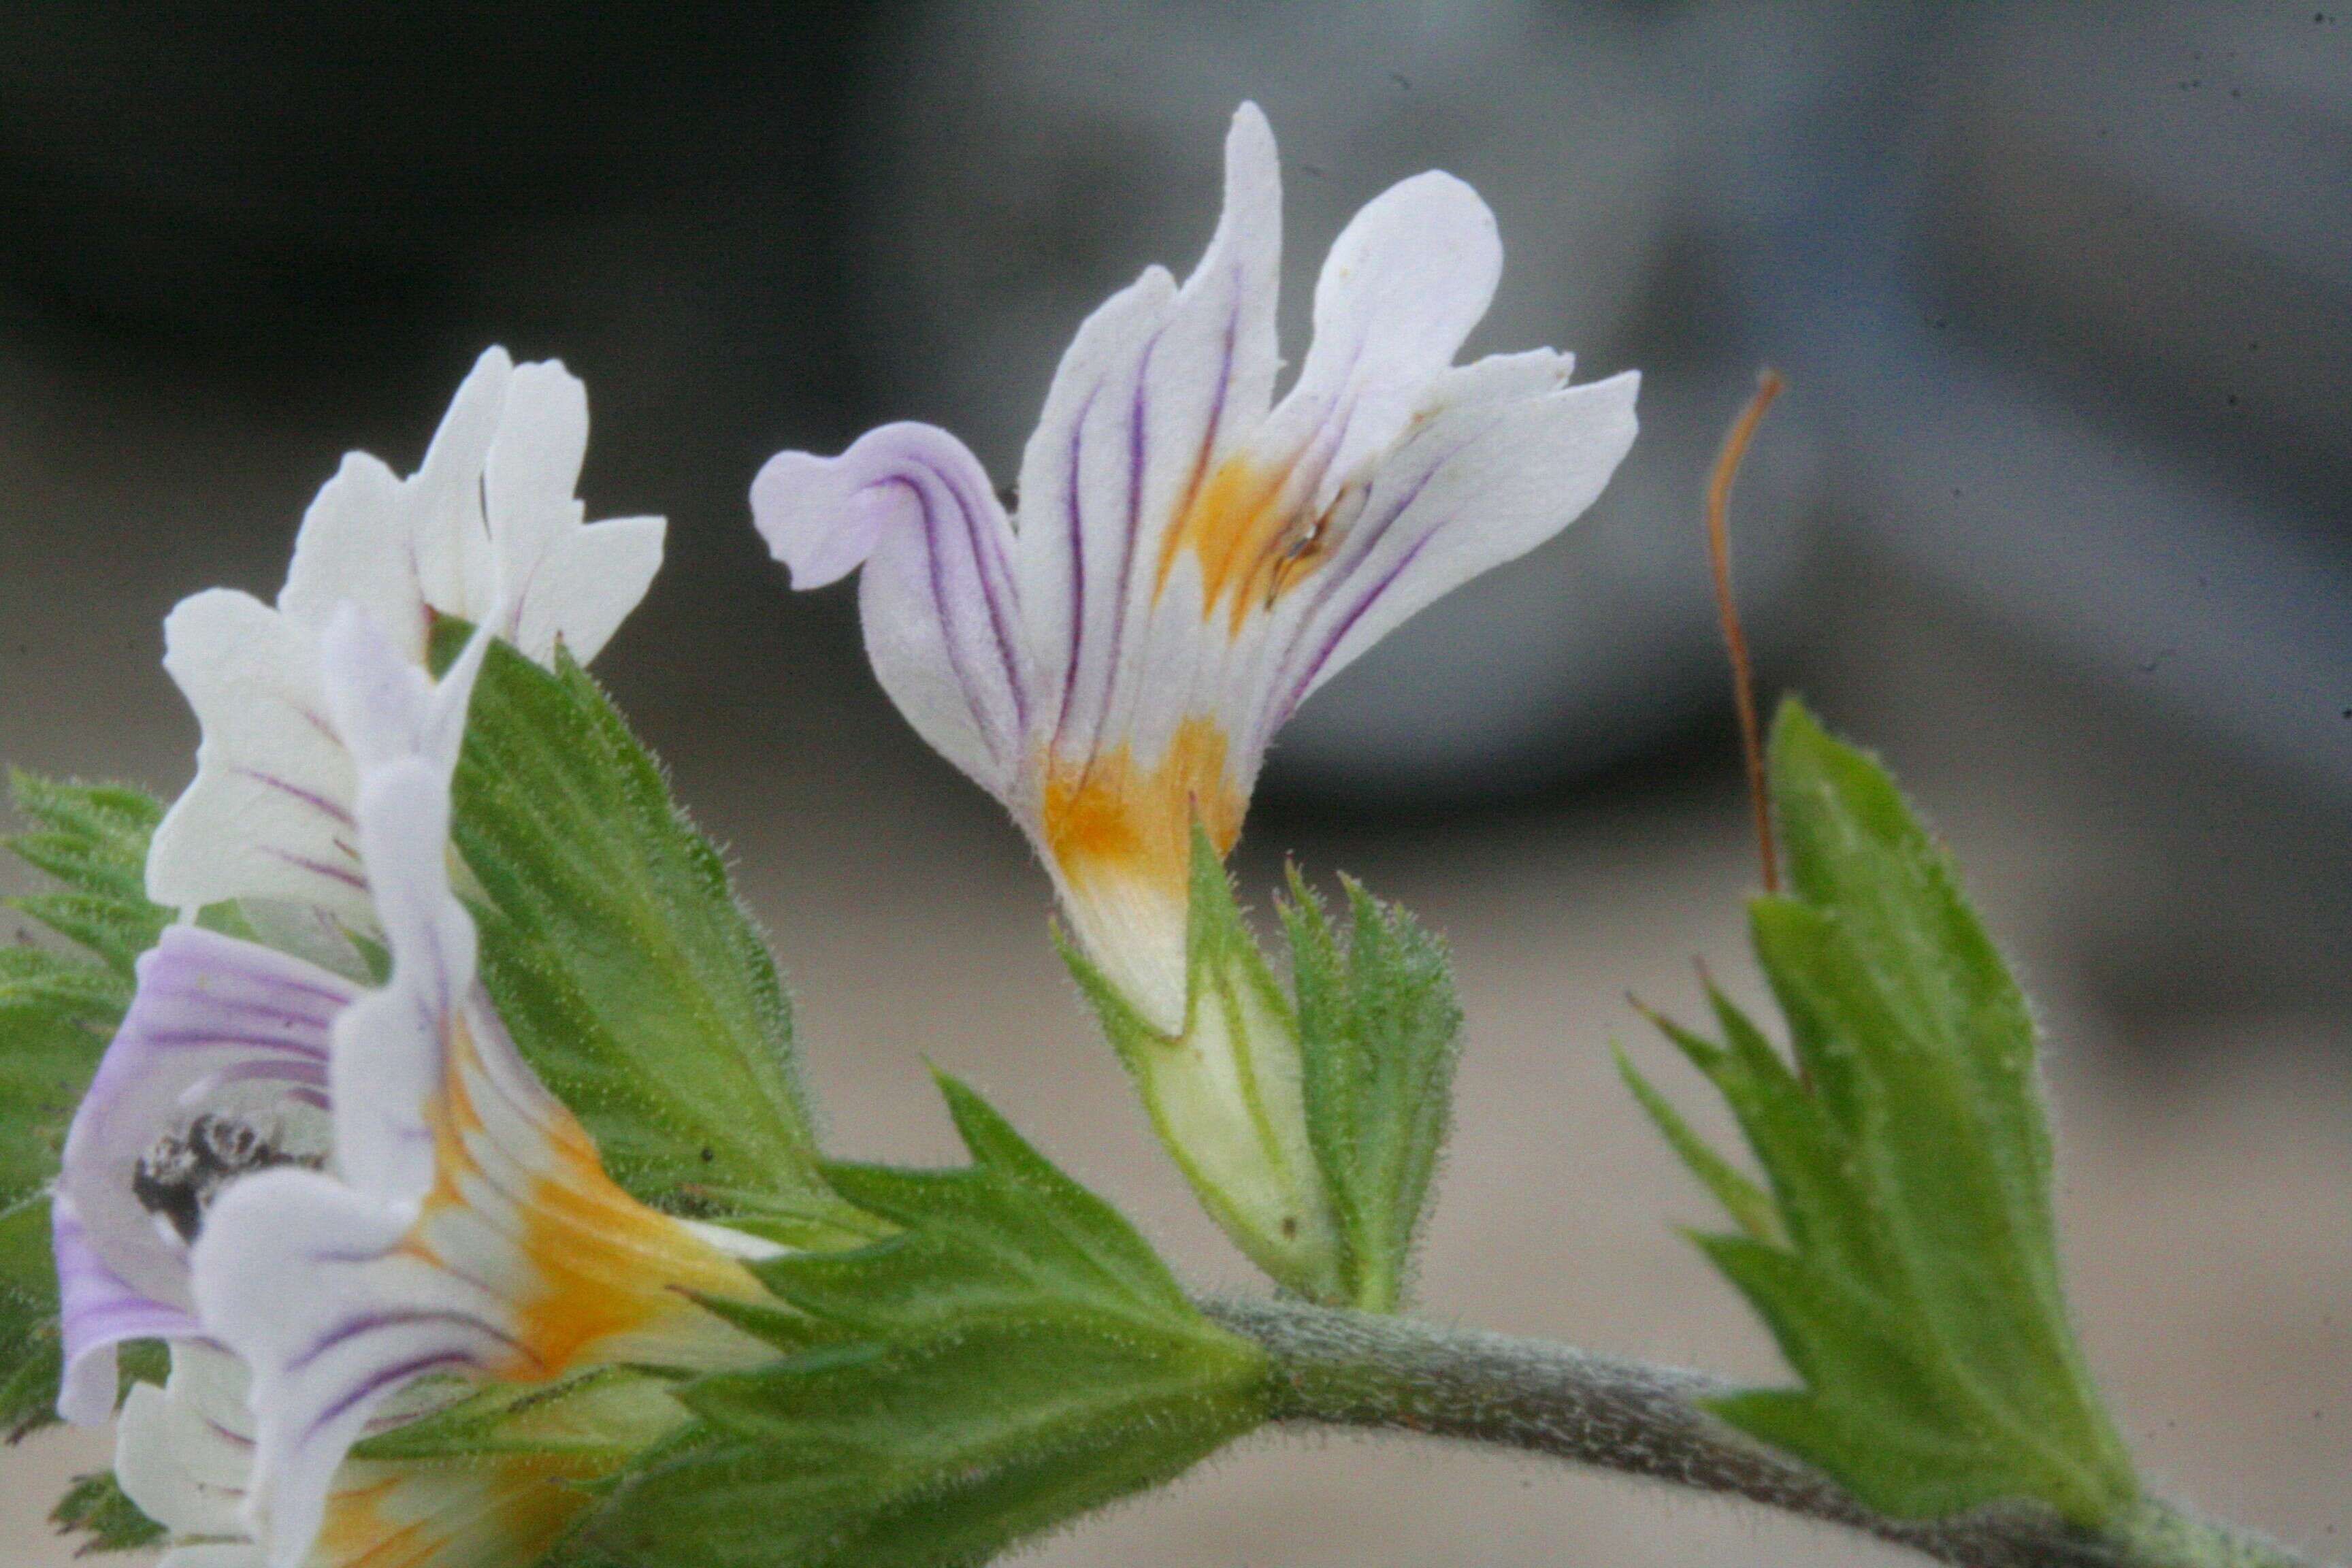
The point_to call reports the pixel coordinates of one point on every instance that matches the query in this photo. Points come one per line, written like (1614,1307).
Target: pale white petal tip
(1249,139)
(811,515)
(86,1394)
(823,517)
(386,707)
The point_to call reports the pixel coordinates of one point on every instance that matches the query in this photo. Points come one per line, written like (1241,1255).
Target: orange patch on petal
(606,1265)
(600,1264)
(520,1501)
(1107,817)
(1250,534)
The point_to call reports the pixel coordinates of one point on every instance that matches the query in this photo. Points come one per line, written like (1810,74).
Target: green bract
(620,961)
(1013,1357)
(1905,1256)
(1379,1033)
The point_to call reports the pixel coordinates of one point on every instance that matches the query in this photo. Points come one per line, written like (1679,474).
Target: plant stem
(1335,1368)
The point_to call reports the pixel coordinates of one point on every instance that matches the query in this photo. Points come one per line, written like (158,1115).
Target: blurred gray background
(2057,514)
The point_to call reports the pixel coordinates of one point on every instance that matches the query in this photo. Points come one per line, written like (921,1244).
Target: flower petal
(531,472)
(99,1312)
(213,1554)
(220,1034)
(942,612)
(469,1224)
(183,1452)
(1158,386)
(1405,283)
(268,814)
(1487,477)
(443,520)
(355,544)
(581,594)
(184,1455)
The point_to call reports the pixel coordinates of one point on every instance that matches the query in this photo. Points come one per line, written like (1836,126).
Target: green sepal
(95,1506)
(1378,1032)
(602,1419)
(1013,1357)
(1903,1251)
(1225,1095)
(616,953)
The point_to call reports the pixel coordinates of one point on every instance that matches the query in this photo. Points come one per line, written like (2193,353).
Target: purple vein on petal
(209,1038)
(378,1381)
(319,868)
(366,1323)
(1075,516)
(309,797)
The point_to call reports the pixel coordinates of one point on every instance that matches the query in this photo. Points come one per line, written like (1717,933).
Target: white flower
(464,1224)
(488,526)
(339,1192)
(1192,557)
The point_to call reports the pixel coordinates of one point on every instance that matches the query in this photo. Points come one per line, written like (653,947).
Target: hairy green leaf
(57,1008)
(1379,1035)
(620,960)
(1013,1356)
(31,1355)
(56,1011)
(94,1507)
(1750,1206)
(93,839)
(1906,1258)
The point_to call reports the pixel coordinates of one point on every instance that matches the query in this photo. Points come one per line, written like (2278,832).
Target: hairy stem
(1334,1368)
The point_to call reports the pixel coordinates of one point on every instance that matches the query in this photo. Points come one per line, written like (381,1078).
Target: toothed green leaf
(93,839)
(1014,1356)
(1909,1267)
(619,959)
(30,1352)
(1749,1207)
(1379,1033)
(57,1009)
(94,1507)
